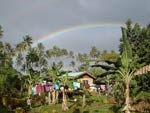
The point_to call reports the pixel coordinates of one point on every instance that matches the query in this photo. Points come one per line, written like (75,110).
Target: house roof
(79,74)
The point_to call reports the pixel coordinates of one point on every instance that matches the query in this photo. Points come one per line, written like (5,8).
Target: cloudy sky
(73,24)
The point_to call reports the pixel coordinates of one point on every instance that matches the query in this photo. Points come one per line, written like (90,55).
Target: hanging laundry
(47,87)
(57,85)
(34,90)
(42,88)
(103,87)
(38,89)
(50,83)
(76,85)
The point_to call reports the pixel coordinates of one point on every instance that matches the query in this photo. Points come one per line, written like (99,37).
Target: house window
(85,82)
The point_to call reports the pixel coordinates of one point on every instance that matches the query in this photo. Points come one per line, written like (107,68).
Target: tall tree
(125,70)
(41,53)
(94,52)
(72,64)
(139,38)
(7,72)
(109,56)
(27,41)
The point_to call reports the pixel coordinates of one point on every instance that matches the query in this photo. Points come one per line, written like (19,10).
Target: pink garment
(102,87)
(42,88)
(38,89)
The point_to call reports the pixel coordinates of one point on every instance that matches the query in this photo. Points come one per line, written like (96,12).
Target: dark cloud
(40,17)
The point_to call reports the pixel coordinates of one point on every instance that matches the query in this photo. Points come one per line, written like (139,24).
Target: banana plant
(125,69)
(66,81)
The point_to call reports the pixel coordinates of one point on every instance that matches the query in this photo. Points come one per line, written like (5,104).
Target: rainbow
(75,28)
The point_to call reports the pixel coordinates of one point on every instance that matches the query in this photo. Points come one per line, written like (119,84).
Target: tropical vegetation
(125,73)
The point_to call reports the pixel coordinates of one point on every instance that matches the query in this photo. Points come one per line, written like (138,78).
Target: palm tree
(94,53)
(7,53)
(19,59)
(32,76)
(20,47)
(32,58)
(64,52)
(72,64)
(27,41)
(71,54)
(109,56)
(24,45)
(83,59)
(42,55)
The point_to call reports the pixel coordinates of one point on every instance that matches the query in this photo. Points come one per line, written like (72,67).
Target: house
(83,77)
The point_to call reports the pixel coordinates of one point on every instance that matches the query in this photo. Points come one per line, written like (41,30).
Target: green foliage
(118,89)
(143,96)
(67,81)
(56,52)
(3,110)
(82,57)
(109,56)
(135,88)
(140,84)
(126,57)
(94,52)
(55,72)
(139,38)
(8,81)
(101,99)
(133,51)
(116,108)
(96,71)
(32,56)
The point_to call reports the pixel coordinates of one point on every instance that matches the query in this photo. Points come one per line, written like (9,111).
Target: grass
(95,104)
(74,108)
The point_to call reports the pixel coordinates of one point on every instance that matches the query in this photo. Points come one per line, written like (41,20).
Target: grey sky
(38,18)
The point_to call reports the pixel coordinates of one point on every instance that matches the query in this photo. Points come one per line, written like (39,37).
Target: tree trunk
(64,102)
(49,98)
(53,97)
(29,90)
(56,96)
(83,104)
(127,97)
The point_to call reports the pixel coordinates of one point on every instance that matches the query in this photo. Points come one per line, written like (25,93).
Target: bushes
(97,98)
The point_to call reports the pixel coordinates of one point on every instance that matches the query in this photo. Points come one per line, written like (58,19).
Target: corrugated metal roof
(77,74)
